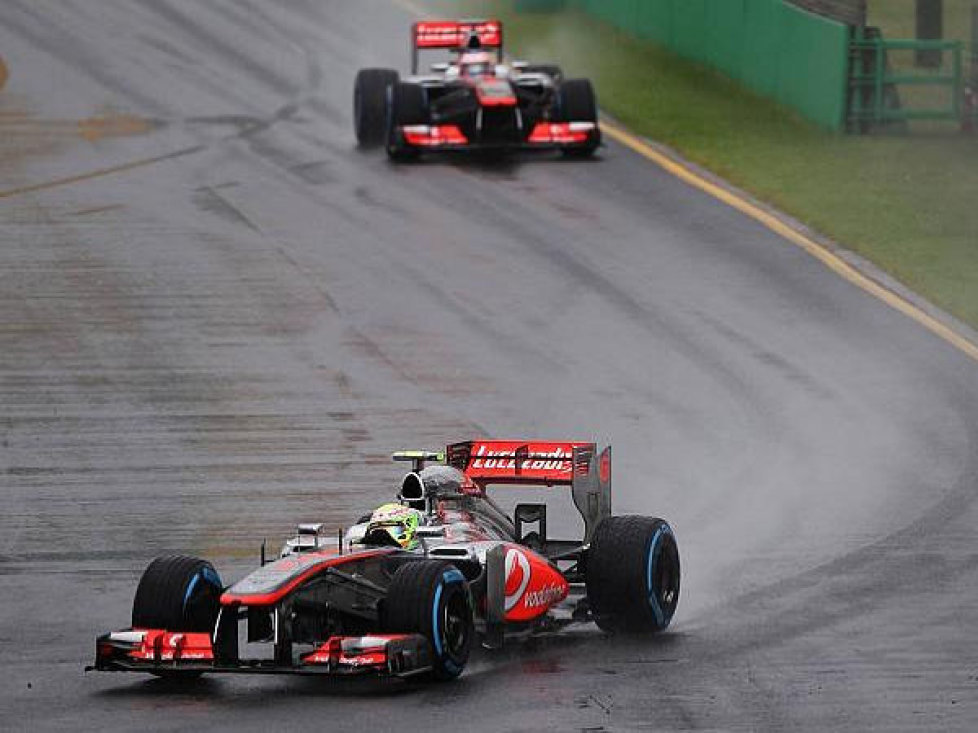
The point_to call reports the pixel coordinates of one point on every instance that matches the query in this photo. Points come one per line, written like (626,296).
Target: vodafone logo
(517,577)
(544,596)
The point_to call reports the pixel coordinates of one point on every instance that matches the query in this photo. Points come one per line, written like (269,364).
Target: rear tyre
(370,105)
(407,105)
(178,593)
(576,102)
(632,574)
(431,598)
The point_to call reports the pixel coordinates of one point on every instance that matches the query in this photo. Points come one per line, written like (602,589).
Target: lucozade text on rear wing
(575,464)
(453,35)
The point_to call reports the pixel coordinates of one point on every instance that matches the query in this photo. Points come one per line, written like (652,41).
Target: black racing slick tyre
(431,598)
(407,105)
(177,593)
(632,574)
(370,105)
(576,102)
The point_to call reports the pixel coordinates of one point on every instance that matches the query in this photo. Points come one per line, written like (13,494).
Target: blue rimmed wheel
(432,598)
(633,574)
(178,593)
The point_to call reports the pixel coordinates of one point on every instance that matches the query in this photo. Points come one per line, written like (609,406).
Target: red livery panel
(358,651)
(511,461)
(167,646)
(431,136)
(532,585)
(495,93)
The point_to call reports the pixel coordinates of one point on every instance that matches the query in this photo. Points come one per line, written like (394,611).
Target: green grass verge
(909,204)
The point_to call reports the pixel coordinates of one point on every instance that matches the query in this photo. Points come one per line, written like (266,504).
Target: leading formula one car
(368,601)
(475,101)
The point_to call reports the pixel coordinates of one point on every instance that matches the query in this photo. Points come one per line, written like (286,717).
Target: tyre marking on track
(819,251)
(99,173)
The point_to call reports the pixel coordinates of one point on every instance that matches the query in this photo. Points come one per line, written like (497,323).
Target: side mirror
(520,65)
(440,67)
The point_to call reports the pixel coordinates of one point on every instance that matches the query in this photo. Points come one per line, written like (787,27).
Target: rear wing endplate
(578,465)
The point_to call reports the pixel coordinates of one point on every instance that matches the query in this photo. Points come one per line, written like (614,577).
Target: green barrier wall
(777,49)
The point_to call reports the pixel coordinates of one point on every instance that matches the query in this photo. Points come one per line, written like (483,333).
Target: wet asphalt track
(232,334)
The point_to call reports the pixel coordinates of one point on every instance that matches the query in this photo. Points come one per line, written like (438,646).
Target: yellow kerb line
(824,255)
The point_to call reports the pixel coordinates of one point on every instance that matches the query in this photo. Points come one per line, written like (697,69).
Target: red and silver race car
(474,101)
(413,586)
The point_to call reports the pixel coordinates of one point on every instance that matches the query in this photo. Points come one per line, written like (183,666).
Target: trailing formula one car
(475,101)
(412,586)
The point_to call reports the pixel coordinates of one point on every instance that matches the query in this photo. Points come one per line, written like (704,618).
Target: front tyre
(407,105)
(633,574)
(370,105)
(178,593)
(576,102)
(431,598)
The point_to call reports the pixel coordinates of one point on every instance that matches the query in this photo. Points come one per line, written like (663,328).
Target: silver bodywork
(456,524)
(462,524)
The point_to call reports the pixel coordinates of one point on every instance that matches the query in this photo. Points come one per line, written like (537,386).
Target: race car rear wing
(455,35)
(509,462)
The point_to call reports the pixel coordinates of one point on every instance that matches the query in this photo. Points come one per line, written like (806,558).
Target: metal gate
(885,94)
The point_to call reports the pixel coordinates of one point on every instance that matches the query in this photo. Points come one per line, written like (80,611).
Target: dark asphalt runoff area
(218,317)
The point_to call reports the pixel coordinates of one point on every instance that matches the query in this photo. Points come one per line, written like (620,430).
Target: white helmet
(477,63)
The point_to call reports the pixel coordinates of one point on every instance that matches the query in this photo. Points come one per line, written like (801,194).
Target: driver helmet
(398,521)
(477,63)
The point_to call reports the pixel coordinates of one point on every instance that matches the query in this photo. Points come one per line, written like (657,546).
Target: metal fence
(888,89)
(817,56)
(775,48)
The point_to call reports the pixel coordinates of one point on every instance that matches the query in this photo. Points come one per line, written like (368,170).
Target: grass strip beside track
(909,204)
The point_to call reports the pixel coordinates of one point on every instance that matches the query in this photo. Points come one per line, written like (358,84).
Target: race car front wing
(169,652)
(544,135)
